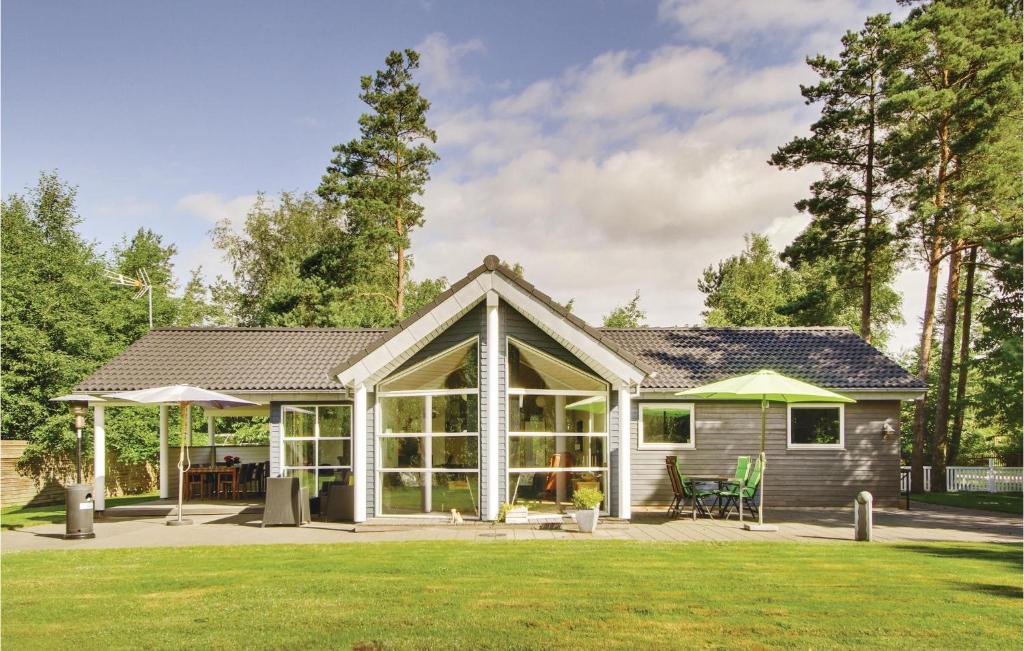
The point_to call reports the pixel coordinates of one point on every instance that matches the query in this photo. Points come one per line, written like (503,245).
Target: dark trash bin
(79,509)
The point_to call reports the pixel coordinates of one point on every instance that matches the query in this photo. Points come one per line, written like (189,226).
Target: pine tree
(851,204)
(376,178)
(952,80)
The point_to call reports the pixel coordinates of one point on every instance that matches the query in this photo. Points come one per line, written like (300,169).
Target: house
(495,393)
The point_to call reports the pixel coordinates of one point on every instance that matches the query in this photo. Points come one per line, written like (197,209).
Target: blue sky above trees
(605,146)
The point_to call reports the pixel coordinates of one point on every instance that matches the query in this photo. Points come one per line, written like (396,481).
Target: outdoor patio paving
(922,523)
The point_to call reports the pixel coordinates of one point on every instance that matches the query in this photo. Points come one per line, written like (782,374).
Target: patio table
(215,471)
(693,480)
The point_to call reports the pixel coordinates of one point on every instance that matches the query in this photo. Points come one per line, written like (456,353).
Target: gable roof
(835,358)
(462,296)
(252,359)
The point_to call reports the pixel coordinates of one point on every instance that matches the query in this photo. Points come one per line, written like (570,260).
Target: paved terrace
(922,523)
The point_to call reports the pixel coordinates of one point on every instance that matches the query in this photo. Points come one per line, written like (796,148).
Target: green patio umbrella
(766,386)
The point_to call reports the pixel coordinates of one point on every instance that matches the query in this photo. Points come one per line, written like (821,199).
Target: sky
(608,147)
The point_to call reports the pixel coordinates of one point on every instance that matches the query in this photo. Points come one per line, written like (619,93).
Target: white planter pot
(587,520)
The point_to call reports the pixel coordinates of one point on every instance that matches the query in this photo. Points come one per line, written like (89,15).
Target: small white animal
(456,517)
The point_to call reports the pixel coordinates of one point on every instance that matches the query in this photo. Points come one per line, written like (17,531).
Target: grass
(584,594)
(1001,502)
(14,517)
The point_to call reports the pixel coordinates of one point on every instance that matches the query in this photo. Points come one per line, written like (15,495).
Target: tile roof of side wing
(491,263)
(240,359)
(837,358)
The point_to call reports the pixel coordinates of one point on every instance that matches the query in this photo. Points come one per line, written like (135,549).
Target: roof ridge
(263,329)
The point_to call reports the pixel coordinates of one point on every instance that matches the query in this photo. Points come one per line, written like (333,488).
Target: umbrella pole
(183,409)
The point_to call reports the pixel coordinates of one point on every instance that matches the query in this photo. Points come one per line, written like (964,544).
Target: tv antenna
(140,282)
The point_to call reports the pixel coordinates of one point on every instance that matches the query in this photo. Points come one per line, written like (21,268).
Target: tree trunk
(869,199)
(400,293)
(940,430)
(928,321)
(965,358)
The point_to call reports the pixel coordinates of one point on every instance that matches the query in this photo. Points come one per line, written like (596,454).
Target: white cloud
(633,171)
(214,207)
(441,62)
(740,23)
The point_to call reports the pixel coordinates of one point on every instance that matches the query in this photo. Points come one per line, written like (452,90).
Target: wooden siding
(725,430)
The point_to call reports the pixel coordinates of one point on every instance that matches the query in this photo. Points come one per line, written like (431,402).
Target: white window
(557,430)
(666,426)
(815,426)
(317,444)
(428,436)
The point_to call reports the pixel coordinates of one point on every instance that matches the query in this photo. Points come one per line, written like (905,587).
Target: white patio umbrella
(767,386)
(183,395)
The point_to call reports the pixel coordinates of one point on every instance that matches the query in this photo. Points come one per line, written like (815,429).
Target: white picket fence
(990,478)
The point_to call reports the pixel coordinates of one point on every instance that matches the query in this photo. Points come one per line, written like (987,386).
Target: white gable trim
(392,353)
(603,361)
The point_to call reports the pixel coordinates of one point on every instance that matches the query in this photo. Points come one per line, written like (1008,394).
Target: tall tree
(953,63)
(852,202)
(630,315)
(963,365)
(749,289)
(375,179)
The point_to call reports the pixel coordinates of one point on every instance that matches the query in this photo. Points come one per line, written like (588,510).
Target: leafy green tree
(630,315)
(198,307)
(749,289)
(130,316)
(953,79)
(376,178)
(852,203)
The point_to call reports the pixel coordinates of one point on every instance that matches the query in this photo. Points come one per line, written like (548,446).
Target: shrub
(587,498)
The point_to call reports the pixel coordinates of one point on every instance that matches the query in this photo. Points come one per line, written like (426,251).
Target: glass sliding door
(316,444)
(428,441)
(557,430)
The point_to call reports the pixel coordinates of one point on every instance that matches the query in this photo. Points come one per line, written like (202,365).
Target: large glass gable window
(557,429)
(429,438)
(317,444)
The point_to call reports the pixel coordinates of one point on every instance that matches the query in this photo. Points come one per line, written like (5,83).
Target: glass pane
(454,413)
(335,421)
(401,415)
(531,369)
(454,490)
(326,476)
(551,491)
(556,451)
(299,421)
(668,424)
(815,425)
(580,414)
(454,369)
(300,453)
(454,451)
(335,452)
(401,453)
(401,493)
(307,479)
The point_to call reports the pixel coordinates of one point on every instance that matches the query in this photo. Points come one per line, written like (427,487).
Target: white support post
(165,456)
(211,434)
(359,453)
(560,477)
(491,508)
(99,455)
(625,446)
(427,452)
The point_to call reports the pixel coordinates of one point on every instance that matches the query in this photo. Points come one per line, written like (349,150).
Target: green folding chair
(729,498)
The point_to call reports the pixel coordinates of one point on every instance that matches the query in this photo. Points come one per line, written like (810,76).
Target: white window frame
(660,445)
(841,445)
(511,392)
(316,438)
(427,436)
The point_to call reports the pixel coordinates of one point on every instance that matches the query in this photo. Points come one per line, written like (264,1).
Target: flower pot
(587,520)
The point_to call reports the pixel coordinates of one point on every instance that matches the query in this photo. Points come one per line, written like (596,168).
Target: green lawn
(583,594)
(13,517)
(1002,502)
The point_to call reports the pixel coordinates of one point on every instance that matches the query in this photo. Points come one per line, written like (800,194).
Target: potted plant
(587,501)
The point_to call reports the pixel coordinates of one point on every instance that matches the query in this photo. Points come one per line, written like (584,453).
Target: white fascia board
(604,361)
(393,352)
